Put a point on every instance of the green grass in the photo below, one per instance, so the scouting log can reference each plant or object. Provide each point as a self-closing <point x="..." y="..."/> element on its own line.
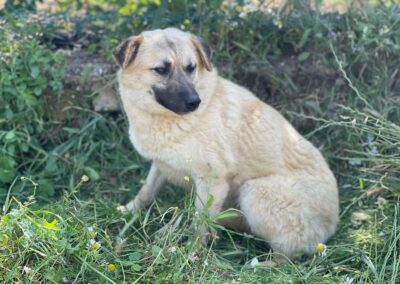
<point x="334" y="77"/>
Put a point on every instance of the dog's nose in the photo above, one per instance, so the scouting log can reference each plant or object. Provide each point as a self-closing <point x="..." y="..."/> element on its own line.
<point x="192" y="103"/>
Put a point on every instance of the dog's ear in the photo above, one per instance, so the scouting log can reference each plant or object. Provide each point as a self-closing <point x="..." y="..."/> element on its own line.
<point x="203" y="51"/>
<point x="125" y="53"/>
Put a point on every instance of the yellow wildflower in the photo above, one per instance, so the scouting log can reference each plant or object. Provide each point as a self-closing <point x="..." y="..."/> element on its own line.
<point x="3" y="240"/>
<point x="4" y="218"/>
<point x="187" y="178"/>
<point x="186" y="22"/>
<point x="321" y="249"/>
<point x="51" y="226"/>
<point x="93" y="245"/>
<point x="111" y="267"/>
<point x="92" y="234"/>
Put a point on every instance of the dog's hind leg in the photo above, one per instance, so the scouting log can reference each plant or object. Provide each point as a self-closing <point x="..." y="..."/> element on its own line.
<point x="154" y="182"/>
<point x="293" y="214"/>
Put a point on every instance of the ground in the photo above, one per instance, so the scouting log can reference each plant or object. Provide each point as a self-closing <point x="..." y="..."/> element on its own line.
<point x="64" y="167"/>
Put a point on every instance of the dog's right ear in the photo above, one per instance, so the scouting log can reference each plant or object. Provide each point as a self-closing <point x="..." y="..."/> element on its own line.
<point x="125" y="53"/>
<point x="204" y="51"/>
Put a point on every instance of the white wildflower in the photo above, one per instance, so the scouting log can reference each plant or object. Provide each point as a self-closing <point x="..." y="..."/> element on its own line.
<point x="254" y="263"/>
<point x="247" y="9"/>
<point x="348" y="280"/>
<point x="321" y="249"/>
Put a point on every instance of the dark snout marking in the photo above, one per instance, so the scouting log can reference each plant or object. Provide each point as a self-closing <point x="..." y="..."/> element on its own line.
<point x="192" y="102"/>
<point x="177" y="94"/>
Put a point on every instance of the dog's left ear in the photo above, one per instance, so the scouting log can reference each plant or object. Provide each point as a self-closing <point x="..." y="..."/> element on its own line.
<point x="204" y="51"/>
<point x="125" y="53"/>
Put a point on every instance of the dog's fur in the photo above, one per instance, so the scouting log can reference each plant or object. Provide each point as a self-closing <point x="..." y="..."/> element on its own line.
<point x="233" y="146"/>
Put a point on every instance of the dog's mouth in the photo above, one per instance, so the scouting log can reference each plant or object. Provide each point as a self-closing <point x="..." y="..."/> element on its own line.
<point x="178" y="101"/>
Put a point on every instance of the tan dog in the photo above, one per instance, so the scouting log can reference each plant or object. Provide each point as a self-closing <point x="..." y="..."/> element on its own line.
<point x="189" y="121"/>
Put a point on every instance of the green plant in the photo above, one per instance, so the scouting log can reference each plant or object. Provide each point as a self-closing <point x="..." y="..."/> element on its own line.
<point x="28" y="71"/>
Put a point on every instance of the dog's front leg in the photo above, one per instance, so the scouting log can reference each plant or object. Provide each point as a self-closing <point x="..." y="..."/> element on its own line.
<point x="217" y="191"/>
<point x="154" y="182"/>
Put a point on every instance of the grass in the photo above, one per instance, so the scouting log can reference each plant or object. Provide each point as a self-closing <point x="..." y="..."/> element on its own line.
<point x="335" y="77"/>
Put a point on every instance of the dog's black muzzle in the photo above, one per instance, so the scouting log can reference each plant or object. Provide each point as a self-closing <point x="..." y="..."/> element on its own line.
<point x="178" y="96"/>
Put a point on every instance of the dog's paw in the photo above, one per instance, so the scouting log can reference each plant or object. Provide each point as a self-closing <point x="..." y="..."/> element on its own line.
<point x="122" y="209"/>
<point x="129" y="208"/>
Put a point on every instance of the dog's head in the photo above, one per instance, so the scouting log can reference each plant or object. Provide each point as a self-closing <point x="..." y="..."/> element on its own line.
<point x="160" y="70"/>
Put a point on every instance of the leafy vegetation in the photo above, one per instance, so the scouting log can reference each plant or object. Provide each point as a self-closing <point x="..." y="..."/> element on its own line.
<point x="64" y="168"/>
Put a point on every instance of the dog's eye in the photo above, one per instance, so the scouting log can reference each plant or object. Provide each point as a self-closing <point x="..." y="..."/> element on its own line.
<point x="161" y="70"/>
<point x="190" y="68"/>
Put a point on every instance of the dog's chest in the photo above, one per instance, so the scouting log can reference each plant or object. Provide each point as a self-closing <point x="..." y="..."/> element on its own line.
<point x="162" y="146"/>
<point x="182" y="154"/>
<point x="148" y="144"/>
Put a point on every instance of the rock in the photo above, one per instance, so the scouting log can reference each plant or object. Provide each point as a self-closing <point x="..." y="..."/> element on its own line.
<point x="107" y="99"/>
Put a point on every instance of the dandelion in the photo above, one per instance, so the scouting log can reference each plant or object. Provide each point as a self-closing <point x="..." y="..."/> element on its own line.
<point x="186" y="22"/>
<point x="92" y="234"/>
<point x="111" y="267"/>
<point x="51" y="226"/>
<point x="187" y="178"/>
<point x="321" y="249"/>
<point x="93" y="245"/>
<point x="84" y="178"/>
<point x="278" y="22"/>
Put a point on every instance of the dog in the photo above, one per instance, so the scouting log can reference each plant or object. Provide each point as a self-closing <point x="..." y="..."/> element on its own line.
<point x="190" y="122"/>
